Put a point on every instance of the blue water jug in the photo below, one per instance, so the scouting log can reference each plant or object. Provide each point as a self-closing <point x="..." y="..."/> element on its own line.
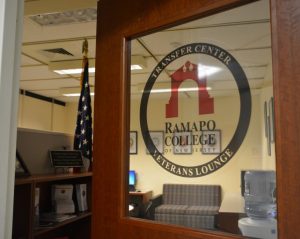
<point x="260" y="194"/>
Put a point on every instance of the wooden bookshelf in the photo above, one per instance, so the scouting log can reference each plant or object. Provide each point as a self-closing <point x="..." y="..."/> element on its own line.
<point x="24" y="225"/>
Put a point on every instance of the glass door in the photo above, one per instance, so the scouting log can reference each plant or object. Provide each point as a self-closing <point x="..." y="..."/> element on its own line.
<point x="202" y="141"/>
<point x="202" y="152"/>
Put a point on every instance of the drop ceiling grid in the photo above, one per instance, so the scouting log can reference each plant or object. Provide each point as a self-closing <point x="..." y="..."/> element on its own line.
<point x="229" y="28"/>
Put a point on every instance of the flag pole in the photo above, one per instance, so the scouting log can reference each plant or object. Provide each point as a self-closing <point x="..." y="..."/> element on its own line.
<point x="83" y="132"/>
<point x="85" y="48"/>
<point x="85" y="51"/>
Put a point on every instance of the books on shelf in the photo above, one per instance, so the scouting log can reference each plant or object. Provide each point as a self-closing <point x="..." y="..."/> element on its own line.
<point x="62" y="192"/>
<point x="81" y="195"/>
<point x="54" y="217"/>
<point x="62" y="207"/>
<point x="36" y="205"/>
<point x="37" y="198"/>
<point x="62" y="199"/>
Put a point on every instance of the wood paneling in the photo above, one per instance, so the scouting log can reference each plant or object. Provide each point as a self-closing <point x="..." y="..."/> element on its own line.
<point x="126" y="19"/>
<point x="286" y="77"/>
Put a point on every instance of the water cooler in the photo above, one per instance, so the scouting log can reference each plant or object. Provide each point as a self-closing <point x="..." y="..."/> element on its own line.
<point x="260" y="205"/>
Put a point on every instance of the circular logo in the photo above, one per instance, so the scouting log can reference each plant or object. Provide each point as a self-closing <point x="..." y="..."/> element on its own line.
<point x="243" y="122"/>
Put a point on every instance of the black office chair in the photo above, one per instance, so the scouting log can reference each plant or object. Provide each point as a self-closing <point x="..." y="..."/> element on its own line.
<point x="150" y="207"/>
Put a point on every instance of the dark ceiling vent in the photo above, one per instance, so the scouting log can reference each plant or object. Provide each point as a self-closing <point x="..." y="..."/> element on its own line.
<point x="59" y="51"/>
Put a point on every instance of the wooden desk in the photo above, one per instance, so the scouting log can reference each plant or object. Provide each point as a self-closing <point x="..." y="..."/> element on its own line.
<point x="139" y="200"/>
<point x="143" y="196"/>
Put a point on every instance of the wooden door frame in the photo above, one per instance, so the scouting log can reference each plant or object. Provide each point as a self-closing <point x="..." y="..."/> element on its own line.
<point x="120" y="21"/>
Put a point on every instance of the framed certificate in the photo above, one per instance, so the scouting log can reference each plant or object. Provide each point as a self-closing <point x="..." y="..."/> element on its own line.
<point x="158" y="140"/>
<point x="211" y="142"/>
<point x="182" y="143"/>
<point x="133" y="148"/>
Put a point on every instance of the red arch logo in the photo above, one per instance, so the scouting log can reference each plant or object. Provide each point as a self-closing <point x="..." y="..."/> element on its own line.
<point x="189" y="71"/>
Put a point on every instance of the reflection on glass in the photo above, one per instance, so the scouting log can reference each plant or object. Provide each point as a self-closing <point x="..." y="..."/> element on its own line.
<point x="202" y="110"/>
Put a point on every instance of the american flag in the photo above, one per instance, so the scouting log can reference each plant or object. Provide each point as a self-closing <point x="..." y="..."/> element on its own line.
<point x="83" y="133"/>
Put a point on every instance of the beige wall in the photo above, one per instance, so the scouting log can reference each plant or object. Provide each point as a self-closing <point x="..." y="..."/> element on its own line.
<point x="268" y="160"/>
<point x="71" y="117"/>
<point x="37" y="114"/>
<point x="251" y="154"/>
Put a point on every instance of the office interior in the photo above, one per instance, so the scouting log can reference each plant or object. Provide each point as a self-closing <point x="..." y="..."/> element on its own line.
<point x="45" y="113"/>
<point x="247" y="37"/>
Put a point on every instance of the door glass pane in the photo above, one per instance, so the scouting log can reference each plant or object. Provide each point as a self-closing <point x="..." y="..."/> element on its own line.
<point x="202" y="124"/>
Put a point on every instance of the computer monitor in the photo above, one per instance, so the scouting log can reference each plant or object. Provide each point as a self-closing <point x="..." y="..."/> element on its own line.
<point x="132" y="180"/>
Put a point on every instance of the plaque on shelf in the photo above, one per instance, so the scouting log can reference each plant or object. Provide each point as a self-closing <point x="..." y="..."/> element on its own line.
<point x="66" y="158"/>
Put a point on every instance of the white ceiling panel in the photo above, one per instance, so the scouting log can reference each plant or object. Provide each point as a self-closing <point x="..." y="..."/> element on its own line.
<point x="49" y="84"/>
<point x="229" y="38"/>
<point x="25" y="61"/>
<point x="37" y="72"/>
<point x="37" y="33"/>
<point x="33" y="7"/>
<point x="245" y="36"/>
<point x="237" y="15"/>
<point x="137" y="49"/>
<point x="38" y="51"/>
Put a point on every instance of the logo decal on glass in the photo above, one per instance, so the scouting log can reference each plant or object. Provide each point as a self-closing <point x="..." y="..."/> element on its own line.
<point x="190" y="71"/>
<point x="197" y="73"/>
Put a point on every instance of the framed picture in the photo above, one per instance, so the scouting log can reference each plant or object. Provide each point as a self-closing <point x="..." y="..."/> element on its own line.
<point x="266" y="118"/>
<point x="133" y="147"/>
<point x="272" y="120"/>
<point x="158" y="140"/>
<point x="269" y="123"/>
<point x="269" y="135"/>
<point x="181" y="143"/>
<point x="211" y="142"/>
<point x="21" y="169"/>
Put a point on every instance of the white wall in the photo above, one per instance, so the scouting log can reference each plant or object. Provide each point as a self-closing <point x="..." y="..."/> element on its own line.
<point x="10" y="53"/>
<point x="251" y="154"/>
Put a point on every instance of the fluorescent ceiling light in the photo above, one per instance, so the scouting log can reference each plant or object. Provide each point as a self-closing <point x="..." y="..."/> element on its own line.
<point x="73" y="91"/>
<point x="179" y="90"/>
<point x="74" y="67"/>
<point x="138" y="63"/>
<point x="73" y="71"/>
<point x="136" y="67"/>
<point x="76" y="94"/>
<point x="70" y="67"/>
<point x="204" y="71"/>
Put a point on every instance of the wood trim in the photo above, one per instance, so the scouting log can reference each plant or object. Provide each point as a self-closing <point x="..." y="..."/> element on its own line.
<point x="285" y="16"/>
<point x="51" y="177"/>
<point x="119" y="21"/>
